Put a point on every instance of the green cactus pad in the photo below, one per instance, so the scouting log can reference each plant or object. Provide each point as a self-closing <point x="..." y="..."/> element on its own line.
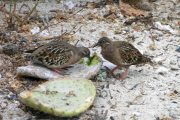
<point x="64" y="97"/>
<point x="92" y="61"/>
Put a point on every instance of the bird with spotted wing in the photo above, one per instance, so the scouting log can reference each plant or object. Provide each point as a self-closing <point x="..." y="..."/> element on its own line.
<point x="121" y="53"/>
<point x="57" y="55"/>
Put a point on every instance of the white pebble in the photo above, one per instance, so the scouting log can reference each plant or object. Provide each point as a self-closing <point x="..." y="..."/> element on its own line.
<point x="162" y="70"/>
<point x="69" y="4"/>
<point x="164" y="27"/>
<point x="158" y="59"/>
<point x="44" y="33"/>
<point x="35" y="30"/>
<point x="137" y="113"/>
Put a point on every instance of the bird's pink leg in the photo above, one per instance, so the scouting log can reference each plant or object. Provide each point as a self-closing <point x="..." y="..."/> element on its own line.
<point x="115" y="68"/>
<point x="111" y="72"/>
<point x="124" y="74"/>
<point x="59" y="71"/>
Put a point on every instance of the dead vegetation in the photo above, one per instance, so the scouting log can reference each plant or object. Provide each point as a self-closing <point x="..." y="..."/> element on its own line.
<point x="15" y="21"/>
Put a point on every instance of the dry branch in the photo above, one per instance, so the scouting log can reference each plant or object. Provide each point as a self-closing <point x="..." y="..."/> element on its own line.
<point x="139" y="18"/>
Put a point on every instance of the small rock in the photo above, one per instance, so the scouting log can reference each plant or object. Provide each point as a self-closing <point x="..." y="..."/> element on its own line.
<point x="164" y="27"/>
<point x="175" y="68"/>
<point x="10" y="49"/>
<point x="178" y="49"/>
<point x="117" y="31"/>
<point x="12" y="97"/>
<point x="44" y="33"/>
<point x="137" y="113"/>
<point x="152" y="47"/>
<point x="69" y="5"/>
<point x="175" y="91"/>
<point x="162" y="70"/>
<point x="159" y="60"/>
<point x="158" y="32"/>
<point x="3" y="105"/>
<point x="35" y="30"/>
<point x="173" y="62"/>
<point x="102" y="75"/>
<point x="112" y="118"/>
<point x="127" y="29"/>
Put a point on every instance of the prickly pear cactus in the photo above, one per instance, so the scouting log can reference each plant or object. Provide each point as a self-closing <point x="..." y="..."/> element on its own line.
<point x="63" y="97"/>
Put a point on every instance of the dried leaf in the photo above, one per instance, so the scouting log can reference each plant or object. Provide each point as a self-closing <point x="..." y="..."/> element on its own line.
<point x="128" y="10"/>
<point x="103" y="34"/>
<point x="152" y="47"/>
<point x="91" y="5"/>
<point x="60" y="15"/>
<point x="68" y="37"/>
<point x="25" y="28"/>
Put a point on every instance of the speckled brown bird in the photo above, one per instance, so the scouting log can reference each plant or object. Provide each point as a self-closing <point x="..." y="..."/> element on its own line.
<point x="141" y="4"/>
<point x="58" y="54"/>
<point x="121" y="53"/>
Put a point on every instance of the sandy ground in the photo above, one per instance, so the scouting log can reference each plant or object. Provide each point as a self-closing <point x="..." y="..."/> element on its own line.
<point x="148" y="93"/>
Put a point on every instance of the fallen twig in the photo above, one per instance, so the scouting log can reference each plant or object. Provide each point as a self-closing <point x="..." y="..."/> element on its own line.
<point x="32" y="10"/>
<point x="2" y="9"/>
<point x="139" y="18"/>
<point x="61" y="36"/>
<point x="23" y="5"/>
<point x="13" y="17"/>
<point x="58" y="23"/>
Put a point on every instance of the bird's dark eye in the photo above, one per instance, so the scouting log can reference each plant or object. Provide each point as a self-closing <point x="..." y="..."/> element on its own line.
<point x="102" y="41"/>
<point x="86" y="52"/>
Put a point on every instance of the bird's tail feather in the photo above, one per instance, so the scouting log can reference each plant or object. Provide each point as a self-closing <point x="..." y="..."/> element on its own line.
<point x="27" y="56"/>
<point x="147" y="60"/>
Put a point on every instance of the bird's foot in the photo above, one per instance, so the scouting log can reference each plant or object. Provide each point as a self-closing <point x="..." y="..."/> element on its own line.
<point x="66" y="68"/>
<point x="109" y="72"/>
<point x="115" y="68"/>
<point x="123" y="75"/>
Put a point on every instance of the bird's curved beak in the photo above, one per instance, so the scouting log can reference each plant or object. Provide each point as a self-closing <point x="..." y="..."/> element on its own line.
<point x="96" y="44"/>
<point x="88" y="56"/>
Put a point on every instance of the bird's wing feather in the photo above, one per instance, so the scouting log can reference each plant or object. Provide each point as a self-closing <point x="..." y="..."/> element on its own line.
<point x="54" y="54"/>
<point x="129" y="54"/>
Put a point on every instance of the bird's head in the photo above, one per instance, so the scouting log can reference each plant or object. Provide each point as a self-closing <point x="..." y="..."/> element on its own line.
<point x="103" y="42"/>
<point x="85" y="52"/>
